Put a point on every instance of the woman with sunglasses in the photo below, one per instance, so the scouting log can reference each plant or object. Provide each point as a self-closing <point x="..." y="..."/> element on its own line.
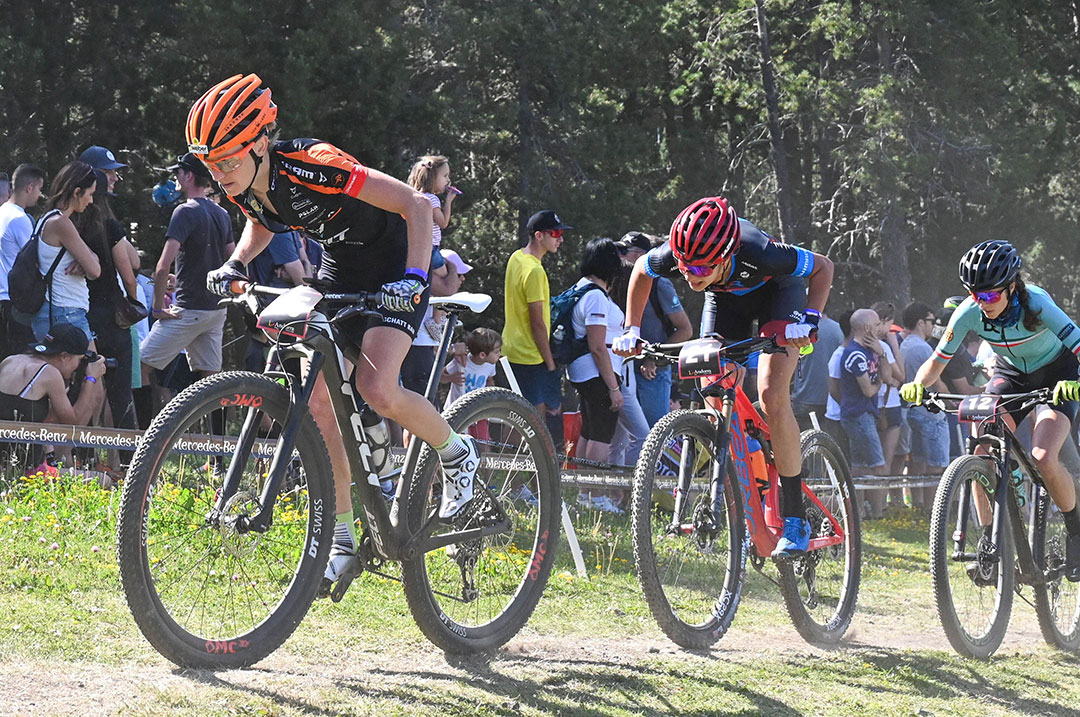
<point x="1036" y="346"/>
<point x="376" y="232"/>
<point x="746" y="276"/>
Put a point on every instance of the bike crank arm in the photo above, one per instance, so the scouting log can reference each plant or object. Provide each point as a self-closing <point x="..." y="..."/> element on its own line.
<point x="414" y="547"/>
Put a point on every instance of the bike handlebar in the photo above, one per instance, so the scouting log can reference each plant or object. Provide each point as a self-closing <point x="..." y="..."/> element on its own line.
<point x="939" y="402"/>
<point x="370" y="299"/>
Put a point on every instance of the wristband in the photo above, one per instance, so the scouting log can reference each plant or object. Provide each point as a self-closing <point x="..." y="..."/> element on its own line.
<point x="91" y="379"/>
<point x="419" y="273"/>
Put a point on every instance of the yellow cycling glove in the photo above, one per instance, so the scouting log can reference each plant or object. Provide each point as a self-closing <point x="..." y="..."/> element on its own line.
<point x="1066" y="391"/>
<point x="913" y="393"/>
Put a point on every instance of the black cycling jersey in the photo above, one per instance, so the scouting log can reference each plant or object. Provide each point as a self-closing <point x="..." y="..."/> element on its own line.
<point x="758" y="259"/>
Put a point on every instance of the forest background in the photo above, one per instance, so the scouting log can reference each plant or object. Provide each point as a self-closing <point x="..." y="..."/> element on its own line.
<point x="889" y="135"/>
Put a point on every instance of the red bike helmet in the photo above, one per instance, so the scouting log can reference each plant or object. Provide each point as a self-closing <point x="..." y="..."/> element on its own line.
<point x="229" y="117"/>
<point x="705" y="233"/>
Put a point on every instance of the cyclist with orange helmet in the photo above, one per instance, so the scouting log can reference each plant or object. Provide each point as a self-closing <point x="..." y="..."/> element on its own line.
<point x="746" y="276"/>
<point x="376" y="232"/>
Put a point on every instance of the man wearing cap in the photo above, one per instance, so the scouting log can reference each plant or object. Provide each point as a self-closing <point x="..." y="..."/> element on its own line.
<point x="34" y="384"/>
<point x="664" y="321"/>
<point x="100" y="158"/>
<point x="199" y="239"/>
<point x="527" y="306"/>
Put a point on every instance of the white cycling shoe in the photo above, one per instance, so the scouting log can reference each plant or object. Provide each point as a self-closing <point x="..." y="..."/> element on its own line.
<point x="458" y="478"/>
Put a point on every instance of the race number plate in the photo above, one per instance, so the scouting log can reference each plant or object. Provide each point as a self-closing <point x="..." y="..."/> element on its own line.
<point x="700" y="358"/>
<point x="287" y="315"/>
<point x="978" y="407"/>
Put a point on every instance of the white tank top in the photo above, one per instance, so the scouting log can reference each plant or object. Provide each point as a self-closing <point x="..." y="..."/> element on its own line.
<point x="70" y="292"/>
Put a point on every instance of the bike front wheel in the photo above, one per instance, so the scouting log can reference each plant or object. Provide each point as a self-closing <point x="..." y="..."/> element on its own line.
<point x="820" y="587"/>
<point x="973" y="579"/>
<point x="203" y="591"/>
<point x="474" y="595"/>
<point x="691" y="564"/>
<point x="1057" y="602"/>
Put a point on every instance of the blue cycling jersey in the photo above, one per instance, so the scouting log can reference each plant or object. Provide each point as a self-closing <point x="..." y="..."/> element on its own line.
<point x="1026" y="350"/>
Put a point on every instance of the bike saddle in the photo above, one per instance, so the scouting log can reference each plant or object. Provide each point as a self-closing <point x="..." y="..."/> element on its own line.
<point x="462" y="301"/>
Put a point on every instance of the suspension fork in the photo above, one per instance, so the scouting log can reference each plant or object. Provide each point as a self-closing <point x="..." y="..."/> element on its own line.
<point x="298" y="407"/>
<point x="723" y="444"/>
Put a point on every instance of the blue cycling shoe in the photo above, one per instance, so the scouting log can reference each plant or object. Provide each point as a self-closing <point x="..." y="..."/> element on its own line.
<point x="796" y="538"/>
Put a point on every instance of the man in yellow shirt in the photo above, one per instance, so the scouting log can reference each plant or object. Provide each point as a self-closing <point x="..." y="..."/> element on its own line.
<point x="527" y="305"/>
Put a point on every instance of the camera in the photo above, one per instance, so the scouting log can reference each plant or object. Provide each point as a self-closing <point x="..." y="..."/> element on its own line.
<point x="90" y="357"/>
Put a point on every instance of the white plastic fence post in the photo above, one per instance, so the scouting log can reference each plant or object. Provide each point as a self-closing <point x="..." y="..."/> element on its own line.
<point x="568" y="525"/>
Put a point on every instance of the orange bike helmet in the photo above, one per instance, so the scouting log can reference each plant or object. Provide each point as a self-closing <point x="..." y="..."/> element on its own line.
<point x="229" y="117"/>
<point x="705" y="233"/>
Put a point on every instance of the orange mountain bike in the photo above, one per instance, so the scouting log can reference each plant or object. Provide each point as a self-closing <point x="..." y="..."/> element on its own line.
<point x="706" y="498"/>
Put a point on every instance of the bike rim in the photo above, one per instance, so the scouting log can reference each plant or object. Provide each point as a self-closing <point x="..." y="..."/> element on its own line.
<point x="214" y="582"/>
<point x="823" y="576"/>
<point x="1063" y="596"/>
<point x="474" y="583"/>
<point x="975" y="606"/>
<point x="692" y="554"/>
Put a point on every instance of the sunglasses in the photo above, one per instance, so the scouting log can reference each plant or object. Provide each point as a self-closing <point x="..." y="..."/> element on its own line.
<point x="555" y="233"/>
<point x="987" y="297"/>
<point x="697" y="269"/>
<point x="227" y="165"/>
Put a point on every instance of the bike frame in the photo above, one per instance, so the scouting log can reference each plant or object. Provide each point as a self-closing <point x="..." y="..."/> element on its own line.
<point x="734" y="422"/>
<point x="1003" y="445"/>
<point x="391" y="535"/>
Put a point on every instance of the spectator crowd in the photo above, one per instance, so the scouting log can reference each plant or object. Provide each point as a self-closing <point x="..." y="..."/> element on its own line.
<point x="160" y="328"/>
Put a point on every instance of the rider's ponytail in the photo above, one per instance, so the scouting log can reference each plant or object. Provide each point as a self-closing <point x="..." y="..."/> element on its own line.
<point x="1030" y="316"/>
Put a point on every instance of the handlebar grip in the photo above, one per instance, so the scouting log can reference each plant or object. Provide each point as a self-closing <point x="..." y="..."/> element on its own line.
<point x="776" y="330"/>
<point x="238" y="287"/>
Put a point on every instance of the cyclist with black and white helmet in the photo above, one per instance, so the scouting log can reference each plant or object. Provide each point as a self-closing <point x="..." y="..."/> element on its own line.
<point x="376" y="232"/>
<point x="746" y="276"/>
<point x="1037" y="346"/>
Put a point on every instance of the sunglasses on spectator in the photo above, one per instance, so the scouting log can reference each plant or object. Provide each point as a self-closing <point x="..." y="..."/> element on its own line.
<point x="555" y="233"/>
<point x="987" y="297"/>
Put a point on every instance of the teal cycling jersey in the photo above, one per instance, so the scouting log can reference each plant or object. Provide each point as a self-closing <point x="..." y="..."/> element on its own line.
<point x="1027" y="350"/>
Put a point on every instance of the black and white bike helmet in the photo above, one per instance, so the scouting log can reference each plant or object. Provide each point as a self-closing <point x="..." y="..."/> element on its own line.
<point x="989" y="264"/>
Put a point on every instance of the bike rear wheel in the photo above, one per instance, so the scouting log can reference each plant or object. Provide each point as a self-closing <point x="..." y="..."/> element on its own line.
<point x="1057" y="603"/>
<point x="475" y="595"/>
<point x="973" y="604"/>
<point x="821" y="587"/>
<point x="691" y="567"/>
<point x="202" y="592"/>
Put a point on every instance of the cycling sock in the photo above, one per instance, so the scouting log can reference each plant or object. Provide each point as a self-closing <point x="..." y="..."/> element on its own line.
<point x="1072" y="520"/>
<point x="791" y="503"/>
<point x="453" y="450"/>
<point x="345" y="531"/>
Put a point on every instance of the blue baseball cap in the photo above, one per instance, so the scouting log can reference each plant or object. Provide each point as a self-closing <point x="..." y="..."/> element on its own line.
<point x="100" y="158"/>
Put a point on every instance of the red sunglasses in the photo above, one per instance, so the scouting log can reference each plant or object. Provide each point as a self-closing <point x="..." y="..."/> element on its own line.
<point x="987" y="297"/>
<point x="697" y="269"/>
<point x="556" y="233"/>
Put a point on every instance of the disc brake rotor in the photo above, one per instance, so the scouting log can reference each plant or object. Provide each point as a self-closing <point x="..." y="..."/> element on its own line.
<point x="240" y="545"/>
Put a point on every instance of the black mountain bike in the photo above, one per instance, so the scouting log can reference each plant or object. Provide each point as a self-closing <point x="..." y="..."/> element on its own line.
<point x="227" y="516"/>
<point x="976" y="570"/>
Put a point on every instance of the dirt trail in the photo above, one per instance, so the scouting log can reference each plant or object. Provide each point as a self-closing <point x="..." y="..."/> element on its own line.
<point x="91" y="689"/>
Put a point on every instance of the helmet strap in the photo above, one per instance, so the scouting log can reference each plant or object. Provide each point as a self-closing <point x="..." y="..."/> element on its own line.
<point x="258" y="163"/>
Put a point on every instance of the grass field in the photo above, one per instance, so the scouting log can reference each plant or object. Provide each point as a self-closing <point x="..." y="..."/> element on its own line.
<point x="68" y="644"/>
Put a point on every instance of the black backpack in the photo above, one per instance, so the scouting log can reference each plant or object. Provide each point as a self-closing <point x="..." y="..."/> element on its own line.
<point x="565" y="347"/>
<point x="26" y="285"/>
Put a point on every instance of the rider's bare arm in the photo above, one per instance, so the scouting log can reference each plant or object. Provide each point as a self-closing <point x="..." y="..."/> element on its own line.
<point x="253" y="240"/>
<point x="637" y="295"/>
<point x="820" y="282"/>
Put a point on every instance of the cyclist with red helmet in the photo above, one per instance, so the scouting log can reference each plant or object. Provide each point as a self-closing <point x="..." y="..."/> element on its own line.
<point x="376" y="232"/>
<point x="746" y="276"/>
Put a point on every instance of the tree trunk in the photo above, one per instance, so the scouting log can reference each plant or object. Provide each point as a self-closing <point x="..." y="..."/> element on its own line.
<point x="526" y="131"/>
<point x="778" y="153"/>
<point x="895" y="247"/>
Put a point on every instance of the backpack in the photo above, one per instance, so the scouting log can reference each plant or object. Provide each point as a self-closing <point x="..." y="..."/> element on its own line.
<point x="26" y="285"/>
<point x="565" y="347"/>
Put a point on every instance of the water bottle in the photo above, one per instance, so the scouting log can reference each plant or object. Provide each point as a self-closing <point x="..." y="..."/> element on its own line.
<point x="1018" y="484"/>
<point x="378" y="439"/>
<point x="757" y="465"/>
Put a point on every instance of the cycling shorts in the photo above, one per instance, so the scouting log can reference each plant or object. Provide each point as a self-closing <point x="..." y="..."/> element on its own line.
<point x="1008" y="379"/>
<point x="733" y="315"/>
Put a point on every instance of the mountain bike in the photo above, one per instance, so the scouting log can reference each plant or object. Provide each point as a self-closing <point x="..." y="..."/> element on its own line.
<point x="975" y="571"/>
<point x="227" y="516"/>
<point x="706" y="499"/>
